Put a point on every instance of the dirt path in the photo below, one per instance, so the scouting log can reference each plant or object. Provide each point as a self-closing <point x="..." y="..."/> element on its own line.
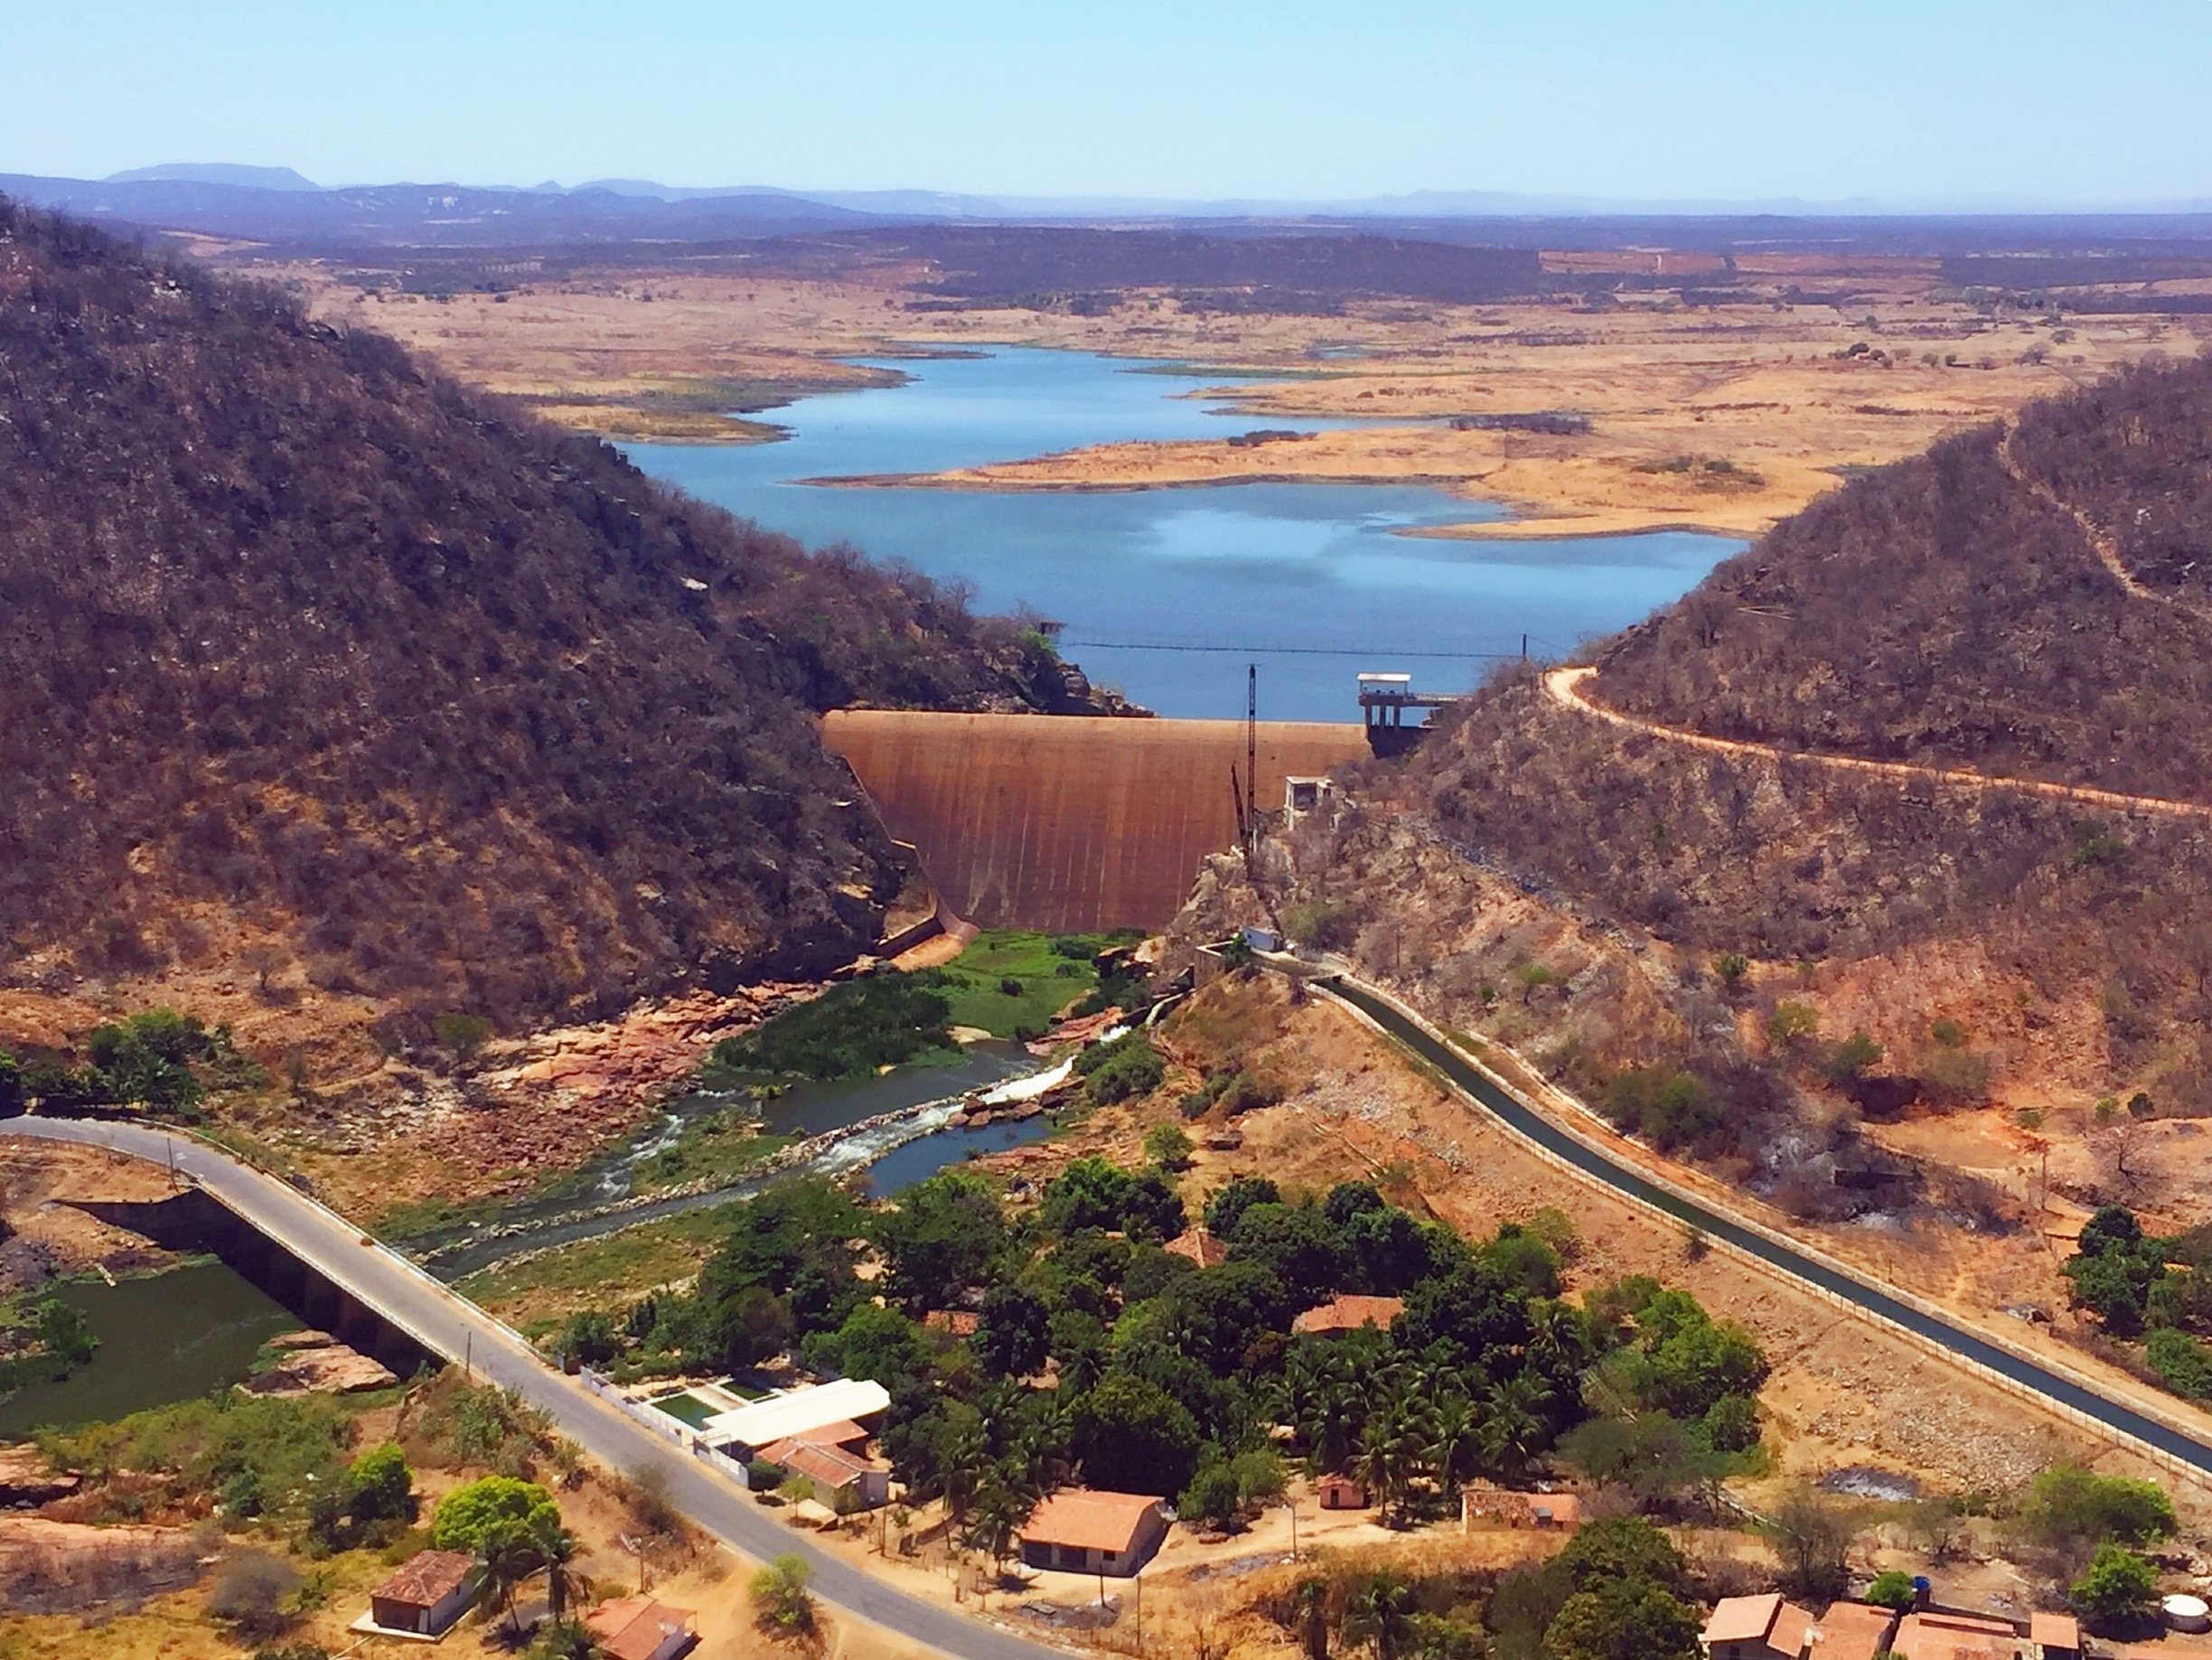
<point x="2107" y="549"/>
<point x="1565" y="687"/>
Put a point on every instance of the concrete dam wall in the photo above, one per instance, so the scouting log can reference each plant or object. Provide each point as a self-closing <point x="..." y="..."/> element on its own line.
<point x="1067" y="824"/>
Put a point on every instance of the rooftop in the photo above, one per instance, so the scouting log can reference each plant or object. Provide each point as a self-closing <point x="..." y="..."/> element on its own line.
<point x="1928" y="1636"/>
<point x="2054" y="1630"/>
<point x="427" y="1578"/>
<point x="1852" y="1631"/>
<point x="817" y="1460"/>
<point x="634" y="1628"/>
<point x="1089" y="1519"/>
<point x="1200" y="1246"/>
<point x="1349" y="1313"/>
<point x="1742" y="1619"/>
<point x="787" y="1417"/>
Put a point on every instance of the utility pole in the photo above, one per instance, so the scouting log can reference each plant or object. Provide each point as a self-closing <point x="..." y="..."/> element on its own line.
<point x="1252" y="746"/>
<point x="468" y="1356"/>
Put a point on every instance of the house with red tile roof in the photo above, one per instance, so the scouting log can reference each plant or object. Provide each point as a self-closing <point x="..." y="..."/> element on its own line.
<point x="1200" y="1246"/>
<point x="431" y="1589"/>
<point x="1756" y="1629"/>
<point x="1349" y="1313"/>
<point x="1852" y="1631"/>
<point x="1088" y="1530"/>
<point x="1927" y="1634"/>
<point x="639" y="1629"/>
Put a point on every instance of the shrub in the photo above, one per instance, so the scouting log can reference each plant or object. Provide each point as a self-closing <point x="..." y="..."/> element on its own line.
<point x="251" y="1591"/>
<point x="1892" y="1589"/>
<point x="781" y="1601"/>
<point x="2181" y="1362"/>
<point x="881" y="1020"/>
<point x="1168" y="1147"/>
<point x="1790" y="1024"/>
<point x="1852" y="1056"/>
<point x="1126" y="1067"/>
<point x="2118" y="1585"/>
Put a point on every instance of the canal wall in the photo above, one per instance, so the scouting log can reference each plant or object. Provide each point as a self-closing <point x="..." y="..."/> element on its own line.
<point x="1069" y="824"/>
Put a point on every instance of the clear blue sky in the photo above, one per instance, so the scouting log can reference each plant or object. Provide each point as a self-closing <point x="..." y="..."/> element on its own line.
<point x="1934" y="100"/>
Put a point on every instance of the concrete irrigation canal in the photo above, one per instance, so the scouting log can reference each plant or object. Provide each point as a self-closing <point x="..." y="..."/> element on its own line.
<point x="2168" y="1442"/>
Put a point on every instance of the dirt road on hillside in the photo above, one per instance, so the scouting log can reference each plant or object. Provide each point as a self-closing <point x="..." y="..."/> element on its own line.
<point x="1567" y="687"/>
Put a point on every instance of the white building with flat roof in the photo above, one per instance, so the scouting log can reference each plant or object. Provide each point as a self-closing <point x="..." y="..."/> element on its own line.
<point x="793" y="1415"/>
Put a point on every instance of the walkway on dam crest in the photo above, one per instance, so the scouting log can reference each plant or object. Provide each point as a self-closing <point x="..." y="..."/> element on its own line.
<point x="449" y="1325"/>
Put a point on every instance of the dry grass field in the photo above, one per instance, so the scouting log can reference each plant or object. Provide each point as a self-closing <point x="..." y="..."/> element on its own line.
<point x="1722" y="409"/>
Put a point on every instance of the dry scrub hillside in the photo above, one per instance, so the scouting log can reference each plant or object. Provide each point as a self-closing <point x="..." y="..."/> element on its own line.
<point x="1692" y="940"/>
<point x="1957" y="607"/>
<point x="310" y="651"/>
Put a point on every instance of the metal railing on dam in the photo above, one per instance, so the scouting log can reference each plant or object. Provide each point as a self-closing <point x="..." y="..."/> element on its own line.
<point x="2167" y="1440"/>
<point x="1069" y="823"/>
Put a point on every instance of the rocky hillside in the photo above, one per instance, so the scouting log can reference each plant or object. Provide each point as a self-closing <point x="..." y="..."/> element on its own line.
<point x="1745" y="953"/>
<point x="2035" y="603"/>
<point x="313" y="656"/>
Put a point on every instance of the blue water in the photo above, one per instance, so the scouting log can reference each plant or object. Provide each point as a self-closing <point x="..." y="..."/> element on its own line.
<point x="1169" y="592"/>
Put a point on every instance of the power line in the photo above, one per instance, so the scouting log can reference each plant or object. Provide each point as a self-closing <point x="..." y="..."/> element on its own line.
<point x="1285" y="651"/>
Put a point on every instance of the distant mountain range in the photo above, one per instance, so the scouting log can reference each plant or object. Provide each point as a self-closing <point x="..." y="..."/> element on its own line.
<point x="280" y="205"/>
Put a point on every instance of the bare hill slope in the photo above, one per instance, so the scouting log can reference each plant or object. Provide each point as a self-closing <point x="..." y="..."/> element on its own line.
<point x="307" y="646"/>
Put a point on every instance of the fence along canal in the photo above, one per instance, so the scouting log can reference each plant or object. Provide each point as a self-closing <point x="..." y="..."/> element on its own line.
<point x="2166" y="1441"/>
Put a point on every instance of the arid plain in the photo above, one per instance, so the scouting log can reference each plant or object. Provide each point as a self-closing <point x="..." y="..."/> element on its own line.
<point x="1722" y="409"/>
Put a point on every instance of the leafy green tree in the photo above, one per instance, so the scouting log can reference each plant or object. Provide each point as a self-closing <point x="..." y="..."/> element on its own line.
<point x="1622" y="1548"/>
<point x="940" y="1240"/>
<point x="505" y="1523"/>
<point x="1096" y="1193"/>
<point x="148" y="1057"/>
<point x="1624" y="1619"/>
<point x="2068" y="1506"/>
<point x="1298" y="1244"/>
<point x="1791" y="1025"/>
<point x="1139" y="1433"/>
<point x="1227" y="1207"/>
<point x="13" y="1095"/>
<point x="589" y="1335"/>
<point x="1218" y="1314"/>
<point x="470" y="1515"/>
<point x="379" y="1486"/>
<point x="2118" y="1585"/>
<point x="853" y="1030"/>
<point x="1211" y="1497"/>
<point x="1014" y="1333"/>
<point x="874" y="1342"/>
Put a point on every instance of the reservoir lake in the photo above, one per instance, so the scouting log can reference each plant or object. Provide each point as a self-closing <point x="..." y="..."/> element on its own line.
<point x="1168" y="594"/>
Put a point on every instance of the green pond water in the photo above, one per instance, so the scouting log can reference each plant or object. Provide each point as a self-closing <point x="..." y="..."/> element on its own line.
<point x="168" y="1338"/>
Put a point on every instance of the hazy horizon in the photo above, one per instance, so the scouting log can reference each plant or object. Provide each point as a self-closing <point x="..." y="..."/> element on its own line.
<point x="1964" y="108"/>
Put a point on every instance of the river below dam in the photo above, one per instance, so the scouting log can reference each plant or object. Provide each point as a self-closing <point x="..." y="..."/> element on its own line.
<point x="1168" y="594"/>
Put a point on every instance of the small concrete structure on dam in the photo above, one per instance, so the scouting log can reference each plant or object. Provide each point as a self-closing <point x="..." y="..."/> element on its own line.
<point x="1069" y="824"/>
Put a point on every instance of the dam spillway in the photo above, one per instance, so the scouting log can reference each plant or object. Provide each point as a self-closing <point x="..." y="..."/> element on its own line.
<point x="1070" y="824"/>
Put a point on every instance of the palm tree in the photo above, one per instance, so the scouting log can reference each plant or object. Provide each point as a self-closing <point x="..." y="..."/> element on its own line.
<point x="1394" y="1448"/>
<point x="1513" y="1428"/>
<point x="1381" y="1613"/>
<point x="556" y="1547"/>
<point x="1458" y="1425"/>
<point x="510" y="1556"/>
<point x="1313" y="1596"/>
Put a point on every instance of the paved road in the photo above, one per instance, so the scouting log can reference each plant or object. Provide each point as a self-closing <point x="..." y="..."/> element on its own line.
<point x="2076" y="1396"/>
<point x="450" y="1326"/>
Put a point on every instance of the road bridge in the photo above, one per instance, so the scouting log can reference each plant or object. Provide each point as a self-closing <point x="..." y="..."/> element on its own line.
<point x="450" y="1325"/>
